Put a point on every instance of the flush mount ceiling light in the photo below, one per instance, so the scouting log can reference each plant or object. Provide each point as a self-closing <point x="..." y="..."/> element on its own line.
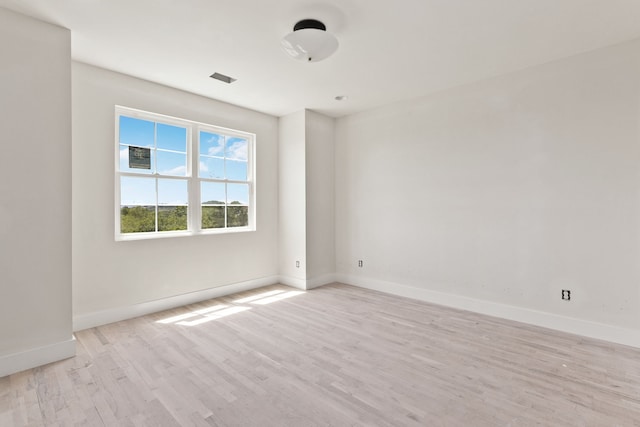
<point x="310" y="41"/>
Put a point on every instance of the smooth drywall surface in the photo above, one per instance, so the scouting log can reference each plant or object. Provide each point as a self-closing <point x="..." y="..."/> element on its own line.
<point x="35" y="185"/>
<point x="508" y="190"/>
<point x="292" y="199"/>
<point x="320" y="195"/>
<point x="109" y="274"/>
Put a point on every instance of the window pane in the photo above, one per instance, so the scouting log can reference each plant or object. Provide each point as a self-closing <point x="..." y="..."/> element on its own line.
<point x="137" y="205"/>
<point x="172" y="204"/>
<point x="236" y="170"/>
<point x="211" y="144"/>
<point x="172" y="138"/>
<point x="136" y="132"/>
<point x="170" y="163"/>
<point x="237" y="216"/>
<point x="137" y="219"/>
<point x="211" y="168"/>
<point x="237" y="149"/>
<point x="172" y="192"/>
<point x="237" y="194"/>
<point x="172" y="218"/>
<point x="137" y="191"/>
<point x="124" y="161"/>
<point x="212" y="217"/>
<point x="212" y="193"/>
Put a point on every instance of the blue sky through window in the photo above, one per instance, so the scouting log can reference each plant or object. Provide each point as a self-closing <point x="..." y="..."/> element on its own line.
<point x="168" y="152"/>
<point x="136" y="132"/>
<point x="221" y="157"/>
<point x="172" y="138"/>
<point x="136" y="191"/>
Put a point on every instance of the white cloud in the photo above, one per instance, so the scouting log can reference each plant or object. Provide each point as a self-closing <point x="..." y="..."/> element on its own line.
<point x="238" y="150"/>
<point x="178" y="170"/>
<point x="216" y="151"/>
<point x="217" y="147"/>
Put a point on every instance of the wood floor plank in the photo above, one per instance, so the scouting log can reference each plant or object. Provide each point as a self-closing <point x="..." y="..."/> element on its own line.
<point x="334" y="356"/>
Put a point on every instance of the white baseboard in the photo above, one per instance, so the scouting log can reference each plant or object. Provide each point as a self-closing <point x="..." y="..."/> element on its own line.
<point x="103" y="317"/>
<point x="308" y="284"/>
<point x="571" y="325"/>
<point x="294" y="282"/>
<point x="16" y="362"/>
<point x="318" y="281"/>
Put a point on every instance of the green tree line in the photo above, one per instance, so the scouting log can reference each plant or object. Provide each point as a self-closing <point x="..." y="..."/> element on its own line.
<point x="140" y="219"/>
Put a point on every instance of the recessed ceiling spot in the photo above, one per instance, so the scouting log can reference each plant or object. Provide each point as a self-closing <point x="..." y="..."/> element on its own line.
<point x="341" y="98"/>
<point x="222" y="78"/>
<point x="309" y="41"/>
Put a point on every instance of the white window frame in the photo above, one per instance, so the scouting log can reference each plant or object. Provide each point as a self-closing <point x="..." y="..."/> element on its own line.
<point x="194" y="207"/>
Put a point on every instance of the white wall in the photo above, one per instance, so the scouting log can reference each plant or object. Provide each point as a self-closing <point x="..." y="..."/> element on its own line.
<point x="320" y="195"/>
<point x="108" y="275"/>
<point x="505" y="191"/>
<point x="306" y="192"/>
<point x="292" y="199"/>
<point x="35" y="193"/>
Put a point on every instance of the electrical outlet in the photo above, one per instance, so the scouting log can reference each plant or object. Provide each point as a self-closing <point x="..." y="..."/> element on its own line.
<point x="360" y="263"/>
<point x="566" y="295"/>
<point x="297" y="264"/>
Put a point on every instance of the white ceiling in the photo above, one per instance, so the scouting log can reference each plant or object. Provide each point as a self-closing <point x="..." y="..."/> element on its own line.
<point x="389" y="50"/>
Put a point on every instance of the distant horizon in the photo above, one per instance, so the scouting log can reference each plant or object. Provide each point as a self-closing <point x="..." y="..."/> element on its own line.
<point x="207" y="203"/>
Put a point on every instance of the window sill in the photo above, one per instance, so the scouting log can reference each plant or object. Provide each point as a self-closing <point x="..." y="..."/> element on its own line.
<point x="170" y="234"/>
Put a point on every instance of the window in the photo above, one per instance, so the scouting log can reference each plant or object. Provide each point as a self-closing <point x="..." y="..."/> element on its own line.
<point x="179" y="177"/>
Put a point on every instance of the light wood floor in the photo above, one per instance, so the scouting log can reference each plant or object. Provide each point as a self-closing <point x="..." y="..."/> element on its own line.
<point x="334" y="356"/>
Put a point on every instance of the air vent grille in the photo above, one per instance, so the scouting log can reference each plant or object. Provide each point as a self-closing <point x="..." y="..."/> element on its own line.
<point x="222" y="78"/>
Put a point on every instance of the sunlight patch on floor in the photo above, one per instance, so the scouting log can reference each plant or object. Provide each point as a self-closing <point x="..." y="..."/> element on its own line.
<point x="258" y="296"/>
<point x="203" y="311"/>
<point x="279" y="297"/>
<point x="216" y="315"/>
<point x="218" y="311"/>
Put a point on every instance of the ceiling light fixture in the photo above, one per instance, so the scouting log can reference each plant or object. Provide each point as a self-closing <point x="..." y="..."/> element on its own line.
<point x="310" y="41"/>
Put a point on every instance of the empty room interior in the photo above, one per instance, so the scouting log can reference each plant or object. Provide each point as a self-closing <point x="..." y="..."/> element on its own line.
<point x="320" y="213"/>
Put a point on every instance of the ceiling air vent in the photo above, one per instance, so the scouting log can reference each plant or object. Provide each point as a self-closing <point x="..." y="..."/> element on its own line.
<point x="222" y="78"/>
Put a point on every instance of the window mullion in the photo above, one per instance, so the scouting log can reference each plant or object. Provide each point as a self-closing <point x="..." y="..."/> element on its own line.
<point x="155" y="168"/>
<point x="226" y="188"/>
<point x="194" y="183"/>
<point x="156" y="207"/>
<point x="226" y="205"/>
